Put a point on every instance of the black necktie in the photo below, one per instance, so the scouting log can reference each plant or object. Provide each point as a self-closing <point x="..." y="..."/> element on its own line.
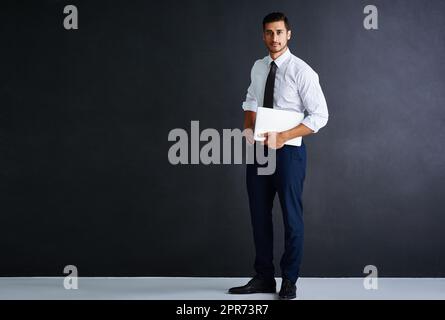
<point x="270" y="82"/>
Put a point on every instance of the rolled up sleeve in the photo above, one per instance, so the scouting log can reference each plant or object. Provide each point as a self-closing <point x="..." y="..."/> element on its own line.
<point x="313" y="99"/>
<point x="251" y="101"/>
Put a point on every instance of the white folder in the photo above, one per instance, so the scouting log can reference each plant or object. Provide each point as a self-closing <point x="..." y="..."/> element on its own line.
<point x="268" y="119"/>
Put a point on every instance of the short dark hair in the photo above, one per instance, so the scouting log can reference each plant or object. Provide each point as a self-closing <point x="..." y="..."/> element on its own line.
<point x="276" y="16"/>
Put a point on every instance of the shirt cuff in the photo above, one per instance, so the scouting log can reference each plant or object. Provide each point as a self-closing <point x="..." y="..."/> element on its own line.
<point x="249" y="107"/>
<point x="308" y="122"/>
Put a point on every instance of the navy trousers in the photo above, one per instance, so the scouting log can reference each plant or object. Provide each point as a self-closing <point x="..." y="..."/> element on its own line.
<point x="287" y="181"/>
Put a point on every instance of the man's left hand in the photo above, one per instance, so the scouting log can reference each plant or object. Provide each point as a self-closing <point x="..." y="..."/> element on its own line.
<point x="274" y="140"/>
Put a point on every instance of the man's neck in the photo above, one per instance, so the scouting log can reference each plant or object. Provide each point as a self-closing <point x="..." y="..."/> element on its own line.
<point x="276" y="55"/>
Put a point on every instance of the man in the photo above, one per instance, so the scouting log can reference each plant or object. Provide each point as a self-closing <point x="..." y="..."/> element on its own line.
<point x="280" y="81"/>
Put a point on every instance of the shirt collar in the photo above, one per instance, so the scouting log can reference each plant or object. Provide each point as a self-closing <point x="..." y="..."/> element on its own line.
<point x="279" y="61"/>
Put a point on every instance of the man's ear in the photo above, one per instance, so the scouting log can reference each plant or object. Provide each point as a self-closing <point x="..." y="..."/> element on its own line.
<point x="289" y="33"/>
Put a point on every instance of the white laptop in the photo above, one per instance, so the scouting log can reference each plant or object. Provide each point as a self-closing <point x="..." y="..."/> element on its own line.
<point x="277" y="120"/>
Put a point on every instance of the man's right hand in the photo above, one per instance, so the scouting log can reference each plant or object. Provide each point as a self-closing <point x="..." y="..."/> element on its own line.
<point x="248" y="134"/>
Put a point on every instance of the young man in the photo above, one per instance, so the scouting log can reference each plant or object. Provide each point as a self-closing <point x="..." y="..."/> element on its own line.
<point x="280" y="81"/>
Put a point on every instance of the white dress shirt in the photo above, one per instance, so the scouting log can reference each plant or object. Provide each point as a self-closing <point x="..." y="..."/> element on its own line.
<point x="296" y="88"/>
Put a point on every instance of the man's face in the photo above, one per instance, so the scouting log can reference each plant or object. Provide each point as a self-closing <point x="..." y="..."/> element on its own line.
<point x="275" y="36"/>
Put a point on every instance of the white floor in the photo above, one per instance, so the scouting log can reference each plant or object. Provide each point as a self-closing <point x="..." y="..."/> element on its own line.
<point x="154" y="288"/>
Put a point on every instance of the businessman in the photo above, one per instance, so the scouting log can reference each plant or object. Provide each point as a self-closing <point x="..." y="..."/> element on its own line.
<point x="280" y="81"/>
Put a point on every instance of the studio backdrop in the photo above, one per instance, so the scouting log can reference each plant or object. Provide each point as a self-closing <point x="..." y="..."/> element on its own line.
<point x="85" y="116"/>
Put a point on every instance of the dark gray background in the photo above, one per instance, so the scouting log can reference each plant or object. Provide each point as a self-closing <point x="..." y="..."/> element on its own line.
<point x="85" y="117"/>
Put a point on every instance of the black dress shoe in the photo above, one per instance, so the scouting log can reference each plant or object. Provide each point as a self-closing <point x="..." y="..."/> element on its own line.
<point x="288" y="290"/>
<point x="256" y="285"/>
